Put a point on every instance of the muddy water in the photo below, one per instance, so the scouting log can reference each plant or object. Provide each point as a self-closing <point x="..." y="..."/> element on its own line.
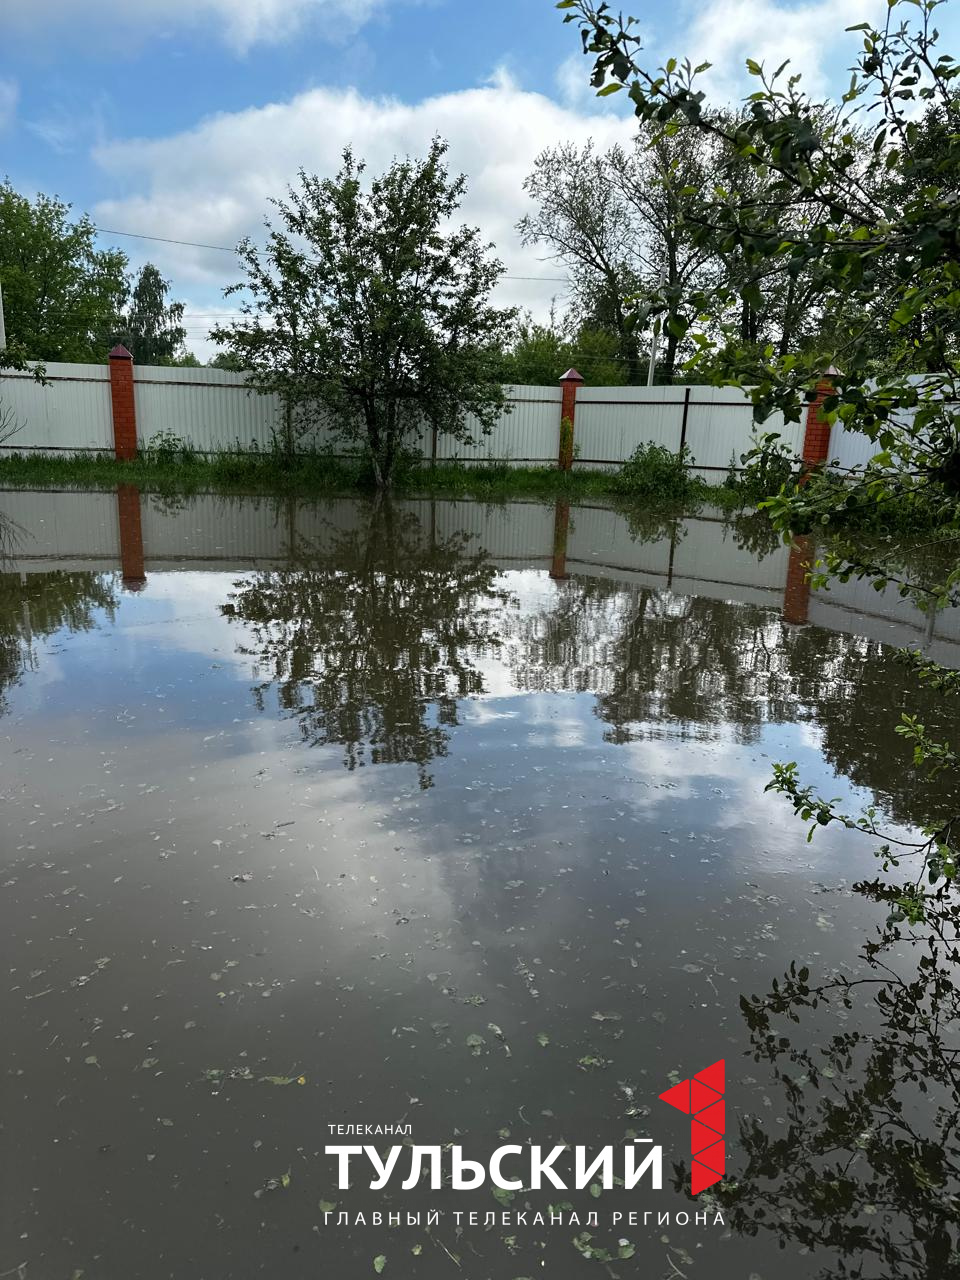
<point x="435" y="815"/>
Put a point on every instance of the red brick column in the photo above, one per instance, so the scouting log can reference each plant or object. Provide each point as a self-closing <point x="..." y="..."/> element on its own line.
<point x="131" y="537"/>
<point x="570" y="381"/>
<point x="796" y="592"/>
<point x="561" y="529"/>
<point x="121" y="400"/>
<point x="816" y="440"/>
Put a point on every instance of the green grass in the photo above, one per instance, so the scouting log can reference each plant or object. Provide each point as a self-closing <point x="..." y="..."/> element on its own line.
<point x="305" y="475"/>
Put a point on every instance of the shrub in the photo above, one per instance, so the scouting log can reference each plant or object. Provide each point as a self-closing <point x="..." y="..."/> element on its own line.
<point x="655" y="472"/>
<point x="165" y="448"/>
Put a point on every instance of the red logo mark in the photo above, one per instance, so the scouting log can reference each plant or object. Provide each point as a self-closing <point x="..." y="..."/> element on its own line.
<point x="702" y="1098"/>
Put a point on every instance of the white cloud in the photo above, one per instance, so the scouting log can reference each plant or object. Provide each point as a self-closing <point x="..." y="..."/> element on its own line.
<point x="9" y="96"/>
<point x="240" y="23"/>
<point x="212" y="183"/>
<point x="727" y="32"/>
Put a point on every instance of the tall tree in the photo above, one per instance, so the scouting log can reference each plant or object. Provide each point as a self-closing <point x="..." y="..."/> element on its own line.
<point x="152" y="325"/>
<point x="367" y="314"/>
<point x="61" y="295"/>
<point x="586" y="223"/>
<point x="628" y="224"/>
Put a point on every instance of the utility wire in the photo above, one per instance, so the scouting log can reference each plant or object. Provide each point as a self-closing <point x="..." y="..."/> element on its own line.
<point x="196" y="244"/>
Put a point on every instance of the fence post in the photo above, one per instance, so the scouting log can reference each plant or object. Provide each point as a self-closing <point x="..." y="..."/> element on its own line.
<point x="561" y="529"/>
<point x="796" y="591"/>
<point x="570" y="381"/>
<point x="683" y="422"/>
<point x="131" y="537"/>
<point x="816" y="438"/>
<point x="122" y="403"/>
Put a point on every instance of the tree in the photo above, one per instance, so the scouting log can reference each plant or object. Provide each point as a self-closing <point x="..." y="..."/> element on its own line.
<point x="61" y="294"/>
<point x="585" y="221"/>
<point x="151" y="327"/>
<point x="627" y="223"/>
<point x="368" y="316"/>
<point x="884" y="227"/>
<point x="230" y="360"/>
<point x="540" y="355"/>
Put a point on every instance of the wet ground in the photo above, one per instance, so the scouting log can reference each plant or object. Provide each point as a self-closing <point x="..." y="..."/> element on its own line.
<point x="439" y="815"/>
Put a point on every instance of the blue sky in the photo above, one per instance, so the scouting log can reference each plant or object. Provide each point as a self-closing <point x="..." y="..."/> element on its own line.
<point x="180" y="118"/>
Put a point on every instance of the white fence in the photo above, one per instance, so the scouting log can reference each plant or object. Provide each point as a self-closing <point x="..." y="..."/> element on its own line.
<point x="213" y="409"/>
<point x="71" y="531"/>
<point x="71" y="413"/>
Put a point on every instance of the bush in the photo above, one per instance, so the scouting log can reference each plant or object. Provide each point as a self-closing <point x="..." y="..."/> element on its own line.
<point x="166" y="448"/>
<point x="656" y="473"/>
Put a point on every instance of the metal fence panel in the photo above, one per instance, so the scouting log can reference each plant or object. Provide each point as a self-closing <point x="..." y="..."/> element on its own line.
<point x="209" y="408"/>
<point x="528" y="434"/>
<point x="71" y="412"/>
<point x="612" y="421"/>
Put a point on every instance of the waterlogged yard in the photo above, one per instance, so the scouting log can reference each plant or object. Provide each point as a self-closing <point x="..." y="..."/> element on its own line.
<point x="449" y="816"/>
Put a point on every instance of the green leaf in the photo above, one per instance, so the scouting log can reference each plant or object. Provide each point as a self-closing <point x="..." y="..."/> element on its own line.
<point x="379" y="1262"/>
<point x="608" y="89"/>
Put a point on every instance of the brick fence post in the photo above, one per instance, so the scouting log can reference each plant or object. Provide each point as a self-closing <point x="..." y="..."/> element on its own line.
<point x="561" y="530"/>
<point x="796" y="591"/>
<point x="816" y="438"/>
<point x="131" y="537"/>
<point x="570" y="381"/>
<point x="122" y="403"/>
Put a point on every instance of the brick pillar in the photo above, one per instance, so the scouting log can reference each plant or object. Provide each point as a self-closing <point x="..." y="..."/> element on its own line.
<point x="568" y="412"/>
<point x="796" y="591"/>
<point x="121" y="400"/>
<point x="131" y="537"/>
<point x="816" y="439"/>
<point x="561" y="527"/>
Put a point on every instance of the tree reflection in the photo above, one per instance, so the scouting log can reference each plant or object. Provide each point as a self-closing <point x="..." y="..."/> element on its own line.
<point x="867" y="1160"/>
<point x="373" y="637"/>
<point x="38" y="605"/>
<point x="664" y="664"/>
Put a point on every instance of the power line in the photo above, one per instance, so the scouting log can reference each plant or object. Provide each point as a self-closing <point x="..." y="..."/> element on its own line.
<point x="196" y="244"/>
<point x="137" y="235"/>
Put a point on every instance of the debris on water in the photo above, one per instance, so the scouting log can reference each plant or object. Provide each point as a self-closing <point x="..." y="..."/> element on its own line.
<point x="273" y="1184"/>
<point x="242" y="877"/>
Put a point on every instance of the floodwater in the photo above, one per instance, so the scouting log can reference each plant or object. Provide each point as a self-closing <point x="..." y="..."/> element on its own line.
<point x="450" y="816"/>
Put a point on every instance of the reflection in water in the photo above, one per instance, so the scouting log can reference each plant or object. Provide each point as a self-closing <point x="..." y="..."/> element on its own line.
<point x="373" y="640"/>
<point x="37" y="605"/>
<point x="562" y="913"/>
<point x="867" y="1163"/>
<point x="373" y="634"/>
